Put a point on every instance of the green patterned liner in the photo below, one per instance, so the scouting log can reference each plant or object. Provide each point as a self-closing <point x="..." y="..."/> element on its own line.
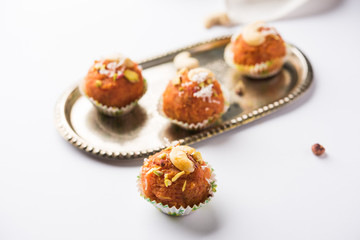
<point x="173" y="211"/>
<point x="259" y="70"/>
<point x="200" y="125"/>
<point x="113" y="111"/>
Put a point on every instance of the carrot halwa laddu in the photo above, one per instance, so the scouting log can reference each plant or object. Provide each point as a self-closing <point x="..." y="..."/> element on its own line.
<point x="193" y="97"/>
<point x="259" y="51"/>
<point x="177" y="177"/>
<point x="114" y="82"/>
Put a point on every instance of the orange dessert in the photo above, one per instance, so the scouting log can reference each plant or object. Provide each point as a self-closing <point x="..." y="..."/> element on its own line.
<point x="177" y="177"/>
<point x="259" y="51"/>
<point x="193" y="97"/>
<point x="114" y="82"/>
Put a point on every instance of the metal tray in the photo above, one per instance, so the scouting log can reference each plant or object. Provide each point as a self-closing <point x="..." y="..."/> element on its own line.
<point x="143" y="131"/>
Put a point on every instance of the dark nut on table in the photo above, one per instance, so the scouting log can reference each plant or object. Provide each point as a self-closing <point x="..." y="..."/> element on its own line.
<point x="318" y="149"/>
<point x="240" y="88"/>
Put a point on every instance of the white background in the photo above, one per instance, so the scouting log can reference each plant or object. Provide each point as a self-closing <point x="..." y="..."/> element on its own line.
<point x="271" y="186"/>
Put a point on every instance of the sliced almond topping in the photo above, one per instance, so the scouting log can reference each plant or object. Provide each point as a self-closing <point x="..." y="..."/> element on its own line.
<point x="183" y="188"/>
<point x="176" y="177"/>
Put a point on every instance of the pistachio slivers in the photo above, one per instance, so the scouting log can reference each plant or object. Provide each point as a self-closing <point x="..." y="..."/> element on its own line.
<point x="167" y="182"/>
<point x="158" y="173"/>
<point x="132" y="76"/>
<point x="152" y="170"/>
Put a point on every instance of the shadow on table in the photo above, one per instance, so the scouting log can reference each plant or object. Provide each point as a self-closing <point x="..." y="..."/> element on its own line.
<point x="202" y="222"/>
<point x="301" y="101"/>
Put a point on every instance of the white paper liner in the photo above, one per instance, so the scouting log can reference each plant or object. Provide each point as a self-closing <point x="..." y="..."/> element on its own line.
<point x="200" y="125"/>
<point x="113" y="111"/>
<point x="173" y="211"/>
<point x="259" y="70"/>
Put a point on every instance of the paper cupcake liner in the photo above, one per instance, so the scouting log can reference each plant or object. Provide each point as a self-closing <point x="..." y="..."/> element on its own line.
<point x="259" y="70"/>
<point x="113" y="111"/>
<point x="181" y="211"/>
<point x="200" y="125"/>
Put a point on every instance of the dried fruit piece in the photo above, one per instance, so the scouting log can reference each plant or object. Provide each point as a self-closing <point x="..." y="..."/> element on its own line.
<point x="184" y="60"/>
<point x="128" y="63"/>
<point x="220" y="18"/>
<point x="318" y="149"/>
<point x="187" y="149"/>
<point x="252" y="35"/>
<point x="180" y="160"/>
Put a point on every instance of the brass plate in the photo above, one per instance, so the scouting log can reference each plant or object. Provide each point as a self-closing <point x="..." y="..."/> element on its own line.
<point x="143" y="131"/>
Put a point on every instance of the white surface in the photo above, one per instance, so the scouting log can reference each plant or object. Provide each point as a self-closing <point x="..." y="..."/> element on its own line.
<point x="271" y="186"/>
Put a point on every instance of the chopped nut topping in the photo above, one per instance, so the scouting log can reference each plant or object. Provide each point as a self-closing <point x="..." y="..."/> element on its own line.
<point x="176" y="177"/>
<point x="318" y="149"/>
<point x="184" y="60"/>
<point x="183" y="188"/>
<point x="180" y="160"/>
<point x="167" y="182"/>
<point x="176" y="80"/>
<point x="128" y="63"/>
<point x="197" y="156"/>
<point x="168" y="148"/>
<point x="187" y="149"/>
<point x="98" y="83"/>
<point x="131" y="75"/>
<point x="219" y="18"/>
<point x="158" y="173"/>
<point x="162" y="156"/>
<point x="152" y="170"/>
<point x="200" y="75"/>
